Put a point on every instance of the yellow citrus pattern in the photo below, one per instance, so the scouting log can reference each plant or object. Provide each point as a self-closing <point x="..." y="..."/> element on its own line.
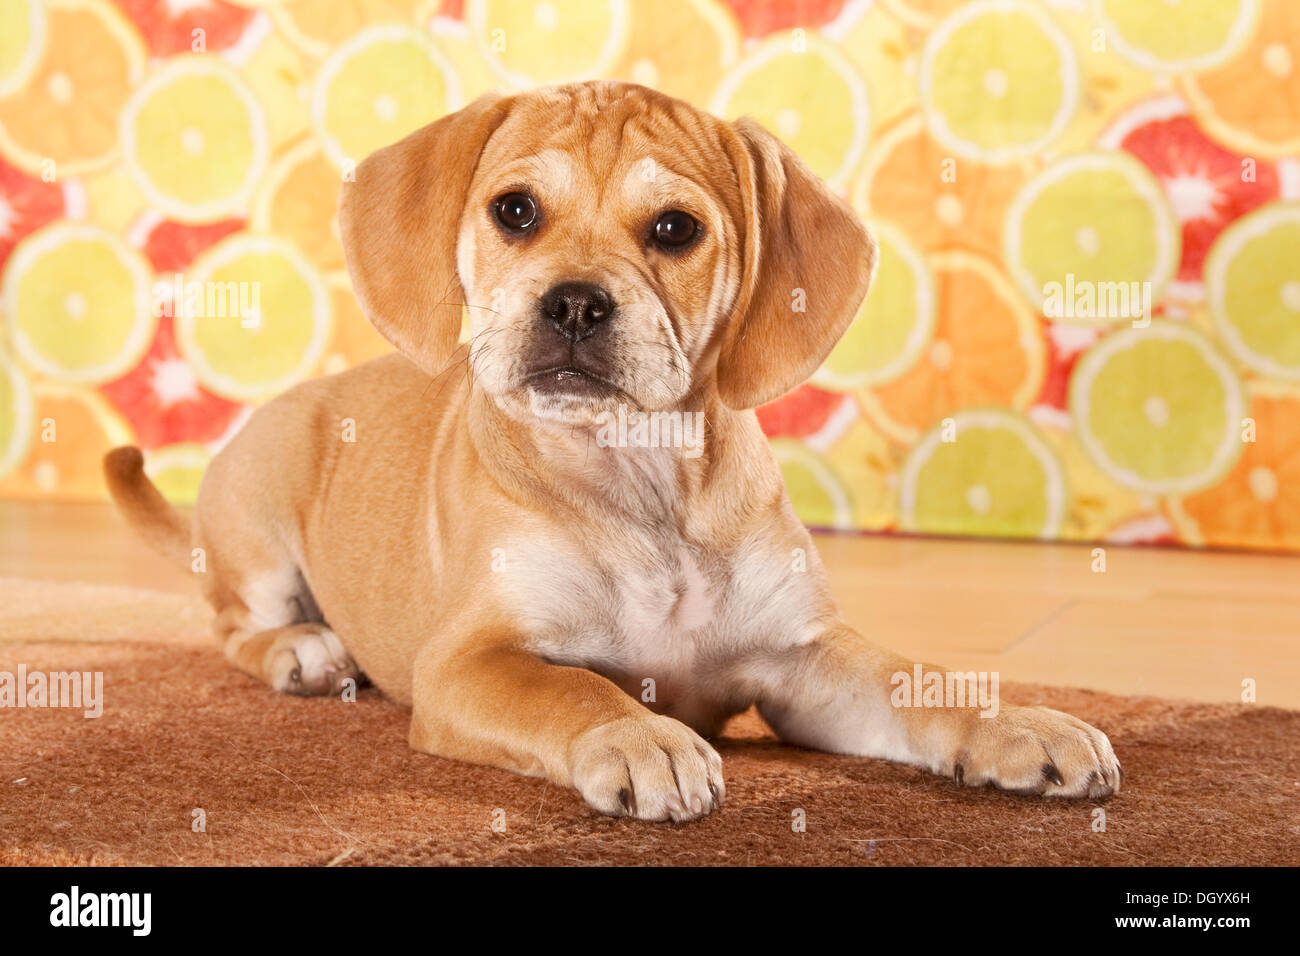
<point x="1098" y="302"/>
<point x="1093" y="223"/>
<point x="892" y="326"/>
<point x="1158" y="409"/>
<point x="22" y="39"/>
<point x="999" y="80"/>
<point x="15" y="415"/>
<point x="78" y="303"/>
<point x="531" y="42"/>
<point x="983" y="472"/>
<point x="809" y="94"/>
<point x="194" y="139"/>
<point x="380" y="85"/>
<point x="277" y="332"/>
<point x="1180" y="37"/>
<point x="1253" y="284"/>
<point x="177" y="470"/>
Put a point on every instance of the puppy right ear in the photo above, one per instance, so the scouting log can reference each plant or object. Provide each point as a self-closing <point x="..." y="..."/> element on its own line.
<point x="399" y="220"/>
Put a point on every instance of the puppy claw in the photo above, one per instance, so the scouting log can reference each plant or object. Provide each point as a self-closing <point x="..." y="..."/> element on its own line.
<point x="1007" y="752"/>
<point x="648" y="768"/>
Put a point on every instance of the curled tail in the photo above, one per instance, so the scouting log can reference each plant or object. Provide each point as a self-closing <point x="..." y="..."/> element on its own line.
<point x="164" y="528"/>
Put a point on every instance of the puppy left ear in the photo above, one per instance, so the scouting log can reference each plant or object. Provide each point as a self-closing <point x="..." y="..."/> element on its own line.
<point x="807" y="263"/>
<point x="399" y="219"/>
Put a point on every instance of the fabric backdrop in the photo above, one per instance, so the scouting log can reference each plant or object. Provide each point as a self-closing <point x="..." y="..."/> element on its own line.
<point x="1085" y="325"/>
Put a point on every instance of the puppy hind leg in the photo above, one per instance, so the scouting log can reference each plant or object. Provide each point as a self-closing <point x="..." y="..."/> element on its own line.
<point x="306" y="659"/>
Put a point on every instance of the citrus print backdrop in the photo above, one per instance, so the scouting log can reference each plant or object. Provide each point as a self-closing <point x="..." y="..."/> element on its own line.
<point x="1001" y="149"/>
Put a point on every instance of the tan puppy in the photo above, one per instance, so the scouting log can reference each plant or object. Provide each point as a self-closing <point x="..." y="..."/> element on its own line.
<point x="545" y="601"/>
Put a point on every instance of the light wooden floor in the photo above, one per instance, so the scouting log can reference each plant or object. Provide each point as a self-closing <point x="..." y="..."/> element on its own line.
<point x="1169" y="623"/>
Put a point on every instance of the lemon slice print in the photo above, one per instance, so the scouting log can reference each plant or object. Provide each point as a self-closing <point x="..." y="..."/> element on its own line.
<point x="1179" y="37"/>
<point x="894" y="324"/>
<point x="999" y="80"/>
<point x="803" y="89"/>
<point x="66" y="109"/>
<point x="22" y="40"/>
<point x="1158" y="409"/>
<point x="1095" y="223"/>
<point x="176" y="470"/>
<point x="682" y="49"/>
<point x="1249" y="103"/>
<point x="298" y="200"/>
<point x="15" y="416"/>
<point x="818" y="494"/>
<point x="385" y="82"/>
<point x="549" y="41"/>
<point x="986" y="472"/>
<point x="194" y="139"/>
<point x="1252" y="280"/>
<point x="862" y="459"/>
<point x="78" y="303"/>
<point x="315" y="28"/>
<point x="251" y="357"/>
<point x="921" y="13"/>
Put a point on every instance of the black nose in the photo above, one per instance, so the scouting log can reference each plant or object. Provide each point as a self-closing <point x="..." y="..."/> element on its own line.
<point x="576" y="308"/>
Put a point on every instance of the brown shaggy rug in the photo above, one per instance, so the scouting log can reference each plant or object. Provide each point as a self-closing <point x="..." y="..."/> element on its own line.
<point x="184" y="740"/>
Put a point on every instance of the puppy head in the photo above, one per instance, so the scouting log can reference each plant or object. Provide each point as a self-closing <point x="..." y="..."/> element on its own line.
<point x="612" y="246"/>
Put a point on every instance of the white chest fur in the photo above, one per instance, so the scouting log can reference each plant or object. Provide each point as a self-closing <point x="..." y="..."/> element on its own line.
<point x="665" y="619"/>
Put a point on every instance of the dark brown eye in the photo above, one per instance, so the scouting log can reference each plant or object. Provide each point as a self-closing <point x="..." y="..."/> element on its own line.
<point x="516" y="211"/>
<point x="675" y="229"/>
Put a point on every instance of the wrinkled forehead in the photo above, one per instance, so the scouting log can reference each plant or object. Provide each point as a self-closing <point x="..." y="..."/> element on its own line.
<point x="643" y="150"/>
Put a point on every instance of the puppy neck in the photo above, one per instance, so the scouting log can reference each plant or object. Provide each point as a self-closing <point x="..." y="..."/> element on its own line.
<point x="646" y="467"/>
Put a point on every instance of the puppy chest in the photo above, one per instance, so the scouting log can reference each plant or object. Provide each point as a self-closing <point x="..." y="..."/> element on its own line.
<point x="634" y="619"/>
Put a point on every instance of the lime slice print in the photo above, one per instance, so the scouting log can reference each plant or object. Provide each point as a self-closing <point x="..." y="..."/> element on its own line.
<point x="1177" y="37"/>
<point x="807" y="94"/>
<point x="894" y="324"/>
<point x="1252" y="279"/>
<point x="194" y="139"/>
<point x="15" y="416"/>
<point x="176" y="471"/>
<point x="382" y="84"/>
<point x="22" y="38"/>
<point x="536" y="42"/>
<point x="78" y="303"/>
<point x="1095" y="223"/>
<point x="816" y="491"/>
<point x="1158" y="409"/>
<point x="252" y="357"/>
<point x="999" y="80"/>
<point x="984" y="472"/>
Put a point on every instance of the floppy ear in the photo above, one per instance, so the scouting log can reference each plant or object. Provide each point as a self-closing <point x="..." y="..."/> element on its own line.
<point x="807" y="263"/>
<point x="399" y="220"/>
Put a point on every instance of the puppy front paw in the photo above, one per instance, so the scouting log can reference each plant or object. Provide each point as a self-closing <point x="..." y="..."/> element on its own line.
<point x="1039" y="751"/>
<point x="650" y="768"/>
<point x="310" y="664"/>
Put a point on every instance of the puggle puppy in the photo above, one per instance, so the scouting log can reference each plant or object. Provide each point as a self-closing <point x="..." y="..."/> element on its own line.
<point x="546" y="601"/>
